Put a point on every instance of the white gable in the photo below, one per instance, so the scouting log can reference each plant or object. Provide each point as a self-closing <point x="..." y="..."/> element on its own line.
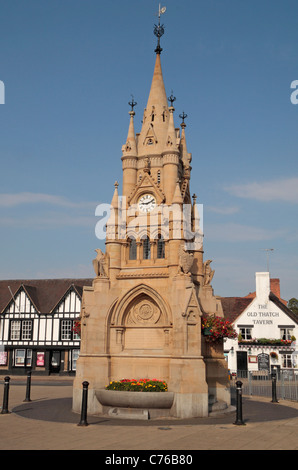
<point x="264" y="319"/>
<point x="20" y="303"/>
<point x="71" y="303"/>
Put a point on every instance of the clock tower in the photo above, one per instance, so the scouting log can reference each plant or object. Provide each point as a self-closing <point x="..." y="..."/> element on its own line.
<point x="142" y="316"/>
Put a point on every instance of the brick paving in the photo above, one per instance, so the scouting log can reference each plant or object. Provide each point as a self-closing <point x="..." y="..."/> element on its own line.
<point x="48" y="423"/>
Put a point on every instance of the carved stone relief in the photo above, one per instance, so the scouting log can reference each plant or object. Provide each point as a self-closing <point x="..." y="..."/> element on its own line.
<point x="143" y="312"/>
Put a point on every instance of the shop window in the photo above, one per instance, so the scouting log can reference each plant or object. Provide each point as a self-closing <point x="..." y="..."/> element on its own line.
<point x="23" y="357"/>
<point x="73" y="357"/>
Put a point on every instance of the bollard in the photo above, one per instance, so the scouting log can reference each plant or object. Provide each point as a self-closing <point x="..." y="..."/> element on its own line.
<point x="83" y="421"/>
<point x="239" y="420"/>
<point x="5" y="396"/>
<point x="274" y="397"/>
<point x="28" y="387"/>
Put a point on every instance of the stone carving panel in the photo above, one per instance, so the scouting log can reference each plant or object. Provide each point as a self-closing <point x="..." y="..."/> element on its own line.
<point x="143" y="311"/>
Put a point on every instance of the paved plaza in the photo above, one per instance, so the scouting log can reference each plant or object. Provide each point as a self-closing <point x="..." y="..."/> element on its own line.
<point x="48" y="423"/>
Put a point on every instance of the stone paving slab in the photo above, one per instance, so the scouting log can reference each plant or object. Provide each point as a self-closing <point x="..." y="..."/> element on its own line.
<point x="48" y="423"/>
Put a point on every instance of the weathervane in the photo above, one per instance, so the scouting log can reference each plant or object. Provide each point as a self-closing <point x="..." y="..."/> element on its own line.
<point x="159" y="29"/>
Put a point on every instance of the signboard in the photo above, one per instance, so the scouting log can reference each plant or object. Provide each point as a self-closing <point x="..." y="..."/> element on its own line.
<point x="263" y="361"/>
<point x="3" y="358"/>
<point x="40" y="359"/>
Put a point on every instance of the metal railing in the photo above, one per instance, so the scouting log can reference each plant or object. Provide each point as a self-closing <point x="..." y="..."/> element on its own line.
<point x="259" y="383"/>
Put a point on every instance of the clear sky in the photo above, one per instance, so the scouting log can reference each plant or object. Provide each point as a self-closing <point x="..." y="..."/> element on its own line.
<point x="69" y="68"/>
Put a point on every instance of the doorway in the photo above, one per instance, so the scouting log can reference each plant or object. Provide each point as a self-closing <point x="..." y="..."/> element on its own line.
<point x="55" y="360"/>
<point x="242" y="363"/>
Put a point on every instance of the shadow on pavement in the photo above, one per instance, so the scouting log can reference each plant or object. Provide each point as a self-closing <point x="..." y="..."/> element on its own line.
<point x="60" y="410"/>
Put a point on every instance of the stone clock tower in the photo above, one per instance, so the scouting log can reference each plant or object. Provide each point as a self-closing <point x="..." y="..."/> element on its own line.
<point x="142" y="316"/>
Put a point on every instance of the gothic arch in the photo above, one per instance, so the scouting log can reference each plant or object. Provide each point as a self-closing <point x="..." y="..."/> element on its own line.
<point x="136" y="293"/>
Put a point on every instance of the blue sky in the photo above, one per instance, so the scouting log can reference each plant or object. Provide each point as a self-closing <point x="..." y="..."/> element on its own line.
<point x="69" y="68"/>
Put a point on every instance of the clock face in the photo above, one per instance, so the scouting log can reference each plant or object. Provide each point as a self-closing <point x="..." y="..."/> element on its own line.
<point x="147" y="203"/>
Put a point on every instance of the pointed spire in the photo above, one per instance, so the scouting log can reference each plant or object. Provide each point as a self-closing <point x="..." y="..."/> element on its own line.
<point x="157" y="95"/>
<point x="177" y="197"/>
<point x="171" y="139"/>
<point x="130" y="147"/>
<point x="131" y="137"/>
<point x="186" y="157"/>
<point x="156" y="115"/>
<point x="115" y="199"/>
<point x="112" y="222"/>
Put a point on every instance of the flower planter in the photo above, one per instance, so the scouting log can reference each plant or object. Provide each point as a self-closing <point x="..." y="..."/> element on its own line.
<point x="143" y="400"/>
<point x="213" y="349"/>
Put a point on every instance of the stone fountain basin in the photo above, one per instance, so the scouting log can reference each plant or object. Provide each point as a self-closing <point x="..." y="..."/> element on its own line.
<point x="147" y="400"/>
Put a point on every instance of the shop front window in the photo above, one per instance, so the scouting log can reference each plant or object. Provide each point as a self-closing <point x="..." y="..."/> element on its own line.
<point x="73" y="359"/>
<point x="23" y="358"/>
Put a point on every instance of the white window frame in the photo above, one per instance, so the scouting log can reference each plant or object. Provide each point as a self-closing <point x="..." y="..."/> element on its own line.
<point x="66" y="332"/>
<point x="21" y="330"/>
<point x="286" y="333"/>
<point x="287" y="361"/>
<point x="246" y="332"/>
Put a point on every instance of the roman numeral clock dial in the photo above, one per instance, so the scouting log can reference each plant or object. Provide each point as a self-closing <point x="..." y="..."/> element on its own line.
<point x="147" y="203"/>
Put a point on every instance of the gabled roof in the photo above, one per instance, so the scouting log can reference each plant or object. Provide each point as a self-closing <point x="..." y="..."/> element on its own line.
<point x="235" y="306"/>
<point x="45" y="294"/>
<point x="279" y="303"/>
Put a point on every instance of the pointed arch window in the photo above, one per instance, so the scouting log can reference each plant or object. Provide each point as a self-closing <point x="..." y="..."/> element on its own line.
<point x="132" y="248"/>
<point x="146" y="248"/>
<point x="160" y="247"/>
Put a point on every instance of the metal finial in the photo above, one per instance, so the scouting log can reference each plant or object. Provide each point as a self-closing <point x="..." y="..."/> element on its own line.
<point x="159" y="29"/>
<point x="132" y="103"/>
<point x="172" y="98"/>
<point x="183" y="116"/>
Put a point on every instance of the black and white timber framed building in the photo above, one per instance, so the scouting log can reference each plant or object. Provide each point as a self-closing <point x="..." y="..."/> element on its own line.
<point x="36" y="325"/>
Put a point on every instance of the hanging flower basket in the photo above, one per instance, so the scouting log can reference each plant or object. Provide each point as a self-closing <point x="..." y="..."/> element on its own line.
<point x="216" y="328"/>
<point x="77" y="327"/>
<point x="274" y="355"/>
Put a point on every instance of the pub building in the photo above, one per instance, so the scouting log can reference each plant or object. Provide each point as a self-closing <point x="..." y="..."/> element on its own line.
<point x="267" y="330"/>
<point x="37" y="326"/>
